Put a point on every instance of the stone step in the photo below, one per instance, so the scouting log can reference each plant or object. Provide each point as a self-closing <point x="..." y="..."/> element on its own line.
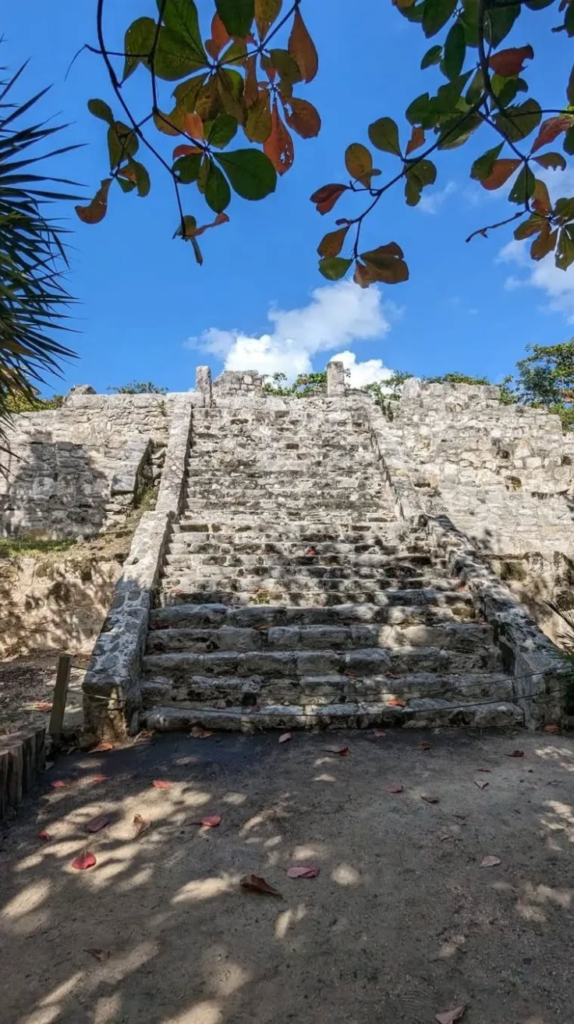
<point x="314" y="691"/>
<point x="218" y="567"/>
<point x="171" y="595"/>
<point x="257" y="546"/>
<point x="345" y="530"/>
<point x="409" y="607"/>
<point x="234" y="581"/>
<point x="298" y="665"/>
<point x="422" y="713"/>
<point x="234" y="518"/>
<point x="461" y="636"/>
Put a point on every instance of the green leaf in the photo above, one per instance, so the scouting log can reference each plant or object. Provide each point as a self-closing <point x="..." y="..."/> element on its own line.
<point x="359" y="163"/>
<point x="236" y="15"/>
<point x="552" y="160"/>
<point x="454" y="51"/>
<point x="432" y="56"/>
<point x="174" y="57"/>
<point x="569" y="142"/>
<point x="482" y="167"/>
<point x="436" y="14"/>
<point x="139" y="39"/>
<point x="418" y="175"/>
<point x="499" y="21"/>
<point x="456" y="130"/>
<point x="180" y="17"/>
<point x="258" y="122"/>
<point x="251" y="173"/>
<point x="334" y="267"/>
<point x="565" y="249"/>
<point x="507" y="89"/>
<point x="564" y="208"/>
<point x="142" y="177"/>
<point x="126" y="184"/>
<point x="476" y="88"/>
<point x="100" y="109"/>
<point x="217" y="191"/>
<point x="266" y="12"/>
<point x="384" y="134"/>
<point x="520" y="120"/>
<point x="570" y="88"/>
<point x="469" y="18"/>
<point x="532" y="226"/>
<point x="186" y="93"/>
<point x="122" y="143"/>
<point x="187" y="168"/>
<point x="449" y="95"/>
<point x="221" y="131"/>
<point x="386" y="264"/>
<point x="418" y="111"/>
<point x="285" y="65"/>
<point x="523" y="187"/>
<point x="569" y="19"/>
<point x="230" y="87"/>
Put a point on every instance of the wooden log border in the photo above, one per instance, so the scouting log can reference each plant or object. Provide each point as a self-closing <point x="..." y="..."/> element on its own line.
<point x="22" y="759"/>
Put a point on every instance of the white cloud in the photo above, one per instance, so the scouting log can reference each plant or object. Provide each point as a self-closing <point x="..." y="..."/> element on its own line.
<point x="432" y="201"/>
<point x="367" y="372"/>
<point x="336" y="316"/>
<point x="557" y="285"/>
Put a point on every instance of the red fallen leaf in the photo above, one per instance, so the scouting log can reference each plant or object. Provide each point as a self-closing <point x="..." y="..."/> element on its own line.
<point x="199" y="733"/>
<point x="302" y="872"/>
<point x="516" y="753"/>
<point x="285" y="737"/>
<point x="481" y="783"/>
<point x="490" y="862"/>
<point x="98" y="778"/>
<point x="160" y="784"/>
<point x="58" y="784"/>
<point x="44" y="836"/>
<point x="510" y="62"/>
<point x="395" y="787"/>
<point x="552" y="728"/>
<point x="141" y="825"/>
<point x="309" y="553"/>
<point x="379" y="734"/>
<point x="430" y="799"/>
<point x="211" y="822"/>
<point x="97" y="824"/>
<point x="396" y="703"/>
<point x="451" y="1016"/>
<point x="99" y="954"/>
<point x="103" y="746"/>
<point x="43" y="705"/>
<point x="425" y="746"/>
<point x="341" y="751"/>
<point x="254" y="883"/>
<point x="84" y="860"/>
<point x="484" y="770"/>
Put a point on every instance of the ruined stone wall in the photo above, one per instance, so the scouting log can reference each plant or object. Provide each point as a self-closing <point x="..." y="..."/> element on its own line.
<point x="231" y="384"/>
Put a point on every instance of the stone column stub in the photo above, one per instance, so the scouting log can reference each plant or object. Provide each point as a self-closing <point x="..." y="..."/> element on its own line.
<point x="335" y="379"/>
<point x="203" y="383"/>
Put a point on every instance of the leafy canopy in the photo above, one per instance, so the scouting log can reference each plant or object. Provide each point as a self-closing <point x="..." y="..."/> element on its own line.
<point x="223" y="103"/>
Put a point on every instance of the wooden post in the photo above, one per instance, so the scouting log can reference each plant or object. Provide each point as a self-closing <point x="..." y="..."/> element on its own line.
<point x="60" y="696"/>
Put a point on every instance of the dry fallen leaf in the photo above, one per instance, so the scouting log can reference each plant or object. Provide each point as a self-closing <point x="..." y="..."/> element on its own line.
<point x="484" y="770"/>
<point x="44" y="836"/>
<point x="394" y="788"/>
<point x="516" y="753"/>
<point x="341" y="751"/>
<point x="481" y="783"/>
<point x="101" y="747"/>
<point x="425" y="746"/>
<point x="58" y="784"/>
<point x="285" y="737"/>
<point x="302" y="872"/>
<point x="430" y="799"/>
<point x="254" y="883"/>
<point x="84" y="860"/>
<point x="160" y="784"/>
<point x="210" y="822"/>
<point x="145" y="734"/>
<point x="99" y="954"/>
<point x="309" y="553"/>
<point x="489" y="862"/>
<point x="396" y="703"/>
<point x="379" y="734"/>
<point x="451" y="1016"/>
<point x="43" y="705"/>
<point x="98" y="778"/>
<point x="551" y="728"/>
<point x="97" y="824"/>
<point x="141" y="826"/>
<point x="199" y="733"/>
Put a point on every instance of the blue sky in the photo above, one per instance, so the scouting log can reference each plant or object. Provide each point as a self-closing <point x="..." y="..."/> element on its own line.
<point x="468" y="307"/>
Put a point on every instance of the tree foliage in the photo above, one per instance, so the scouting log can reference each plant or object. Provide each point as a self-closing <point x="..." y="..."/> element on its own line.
<point x="135" y="387"/>
<point x="244" y="74"/>
<point x="33" y="297"/>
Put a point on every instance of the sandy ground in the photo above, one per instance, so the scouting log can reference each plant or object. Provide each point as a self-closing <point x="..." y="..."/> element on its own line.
<point x="27" y="690"/>
<point x="401" y="924"/>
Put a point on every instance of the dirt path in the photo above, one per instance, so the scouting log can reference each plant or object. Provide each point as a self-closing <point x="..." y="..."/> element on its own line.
<point x="401" y="924"/>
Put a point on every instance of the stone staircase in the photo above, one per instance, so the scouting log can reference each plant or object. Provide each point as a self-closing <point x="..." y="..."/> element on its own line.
<point x="291" y="595"/>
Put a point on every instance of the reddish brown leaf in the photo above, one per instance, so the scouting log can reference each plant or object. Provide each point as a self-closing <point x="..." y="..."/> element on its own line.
<point x="326" y="196"/>
<point x="44" y="836"/>
<point x="266" y="12"/>
<point x="481" y="783"/>
<point x="99" y="954"/>
<point x="300" y="871"/>
<point x="395" y="702"/>
<point x="160" y="784"/>
<point x="285" y="737"/>
<point x="221" y="218"/>
<point x="279" y="146"/>
<point x="185" y="151"/>
<point x="516" y="753"/>
<point x="303" y="118"/>
<point x="58" y="784"/>
<point x="254" y="883"/>
<point x="395" y="787"/>
<point x="98" y="207"/>
<point x="101" y="747"/>
<point x="501" y="172"/>
<point x="490" y="862"/>
<point x="309" y="553"/>
<point x="425" y="746"/>
<point x="341" y="751"/>
<point x="510" y="62"/>
<point x="359" y="163"/>
<point x="97" y="824"/>
<point x="362" y="275"/>
<point x="193" y="125"/>
<point x="379" y="734"/>
<point x="416" y="140"/>
<point x="332" y="243"/>
<point x="451" y="1016"/>
<point x="541" y="198"/>
<point x="219" y="37"/>
<point x="84" y="860"/>
<point x="211" y="822"/>
<point x="98" y="778"/>
<point x="141" y="826"/>
<point x="552" y="728"/>
<point x="199" y="733"/>
<point x="302" y="49"/>
<point x="551" y="129"/>
<point x="43" y="705"/>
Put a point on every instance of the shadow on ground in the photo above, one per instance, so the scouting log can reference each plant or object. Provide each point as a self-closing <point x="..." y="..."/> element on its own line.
<point x="401" y="923"/>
